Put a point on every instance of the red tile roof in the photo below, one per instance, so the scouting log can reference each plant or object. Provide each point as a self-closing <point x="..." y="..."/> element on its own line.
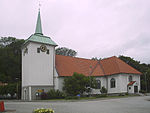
<point x="66" y="66"/>
<point x="131" y="83"/>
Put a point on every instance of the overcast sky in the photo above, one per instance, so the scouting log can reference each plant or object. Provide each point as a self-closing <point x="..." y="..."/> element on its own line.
<point x="94" y="28"/>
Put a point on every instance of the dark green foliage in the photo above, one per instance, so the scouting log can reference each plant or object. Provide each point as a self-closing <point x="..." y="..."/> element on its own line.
<point x="5" y="41"/>
<point x="65" y="51"/>
<point x="10" y="59"/>
<point x="77" y="84"/>
<point x="8" y="89"/>
<point x="142" y="91"/>
<point x="95" y="58"/>
<point x="55" y="94"/>
<point x="135" y="64"/>
<point x="103" y="90"/>
<point x="10" y="62"/>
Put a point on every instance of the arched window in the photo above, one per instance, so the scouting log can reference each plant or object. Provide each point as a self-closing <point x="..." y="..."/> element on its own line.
<point x="98" y="84"/>
<point x="130" y="78"/>
<point x="112" y="83"/>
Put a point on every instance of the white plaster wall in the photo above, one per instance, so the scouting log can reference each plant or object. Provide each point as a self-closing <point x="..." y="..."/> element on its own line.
<point x="131" y="90"/>
<point x="37" y="68"/>
<point x="117" y="89"/>
<point x="137" y="79"/>
<point x="103" y="83"/>
<point x="56" y="80"/>
<point x="60" y="83"/>
<point x="25" y="68"/>
<point x="123" y="83"/>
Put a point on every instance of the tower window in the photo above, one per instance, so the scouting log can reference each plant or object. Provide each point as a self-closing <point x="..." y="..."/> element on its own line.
<point x="47" y="51"/>
<point x="38" y="50"/>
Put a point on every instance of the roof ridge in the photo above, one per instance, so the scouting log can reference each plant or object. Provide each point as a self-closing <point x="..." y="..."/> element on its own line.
<point x="117" y="63"/>
<point x="94" y="68"/>
<point x="109" y="58"/>
<point x="88" y="58"/>
<point x="102" y="67"/>
<point x="78" y="58"/>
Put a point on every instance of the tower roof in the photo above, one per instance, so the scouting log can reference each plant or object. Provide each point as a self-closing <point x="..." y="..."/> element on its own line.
<point x="38" y="36"/>
<point x="38" y="29"/>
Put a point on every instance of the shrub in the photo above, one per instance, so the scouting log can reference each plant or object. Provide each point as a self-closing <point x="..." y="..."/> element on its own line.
<point x="42" y="110"/>
<point x="103" y="90"/>
<point x="127" y="93"/>
<point x="8" y="89"/>
<point x="55" y="94"/>
<point x="142" y="91"/>
<point x="122" y="94"/>
<point x="77" y="84"/>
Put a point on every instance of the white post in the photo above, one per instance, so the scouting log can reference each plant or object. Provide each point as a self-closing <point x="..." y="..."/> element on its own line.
<point x="30" y="93"/>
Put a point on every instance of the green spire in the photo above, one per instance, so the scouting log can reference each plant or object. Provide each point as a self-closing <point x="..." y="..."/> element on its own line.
<point x="38" y="25"/>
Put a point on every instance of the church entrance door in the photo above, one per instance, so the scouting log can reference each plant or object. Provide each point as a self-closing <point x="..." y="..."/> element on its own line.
<point x="135" y="89"/>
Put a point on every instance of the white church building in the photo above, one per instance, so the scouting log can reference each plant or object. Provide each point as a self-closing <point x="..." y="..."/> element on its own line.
<point x="42" y="70"/>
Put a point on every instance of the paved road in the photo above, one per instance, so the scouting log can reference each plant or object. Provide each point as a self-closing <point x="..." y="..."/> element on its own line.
<point x="122" y="105"/>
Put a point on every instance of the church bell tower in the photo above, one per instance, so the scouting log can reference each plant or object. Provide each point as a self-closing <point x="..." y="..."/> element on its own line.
<point x="38" y="63"/>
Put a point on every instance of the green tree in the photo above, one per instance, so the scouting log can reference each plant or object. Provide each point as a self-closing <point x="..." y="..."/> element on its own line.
<point x="135" y="64"/>
<point x="95" y="58"/>
<point x="4" y="41"/>
<point x="147" y="80"/>
<point x="77" y="84"/>
<point x="11" y="89"/>
<point x="10" y="59"/>
<point x="65" y="51"/>
<point x="3" y="90"/>
<point x="8" y="89"/>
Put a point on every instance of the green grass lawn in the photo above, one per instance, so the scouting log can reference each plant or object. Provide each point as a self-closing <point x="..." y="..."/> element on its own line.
<point x="92" y="98"/>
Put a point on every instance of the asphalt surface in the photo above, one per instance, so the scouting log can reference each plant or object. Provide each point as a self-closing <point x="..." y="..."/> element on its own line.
<point x="140" y="104"/>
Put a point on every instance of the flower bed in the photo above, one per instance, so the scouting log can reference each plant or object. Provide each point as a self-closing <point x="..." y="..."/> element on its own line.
<point x="43" y="110"/>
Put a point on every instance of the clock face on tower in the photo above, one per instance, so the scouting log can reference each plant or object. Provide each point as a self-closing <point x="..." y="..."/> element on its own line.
<point x="43" y="48"/>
